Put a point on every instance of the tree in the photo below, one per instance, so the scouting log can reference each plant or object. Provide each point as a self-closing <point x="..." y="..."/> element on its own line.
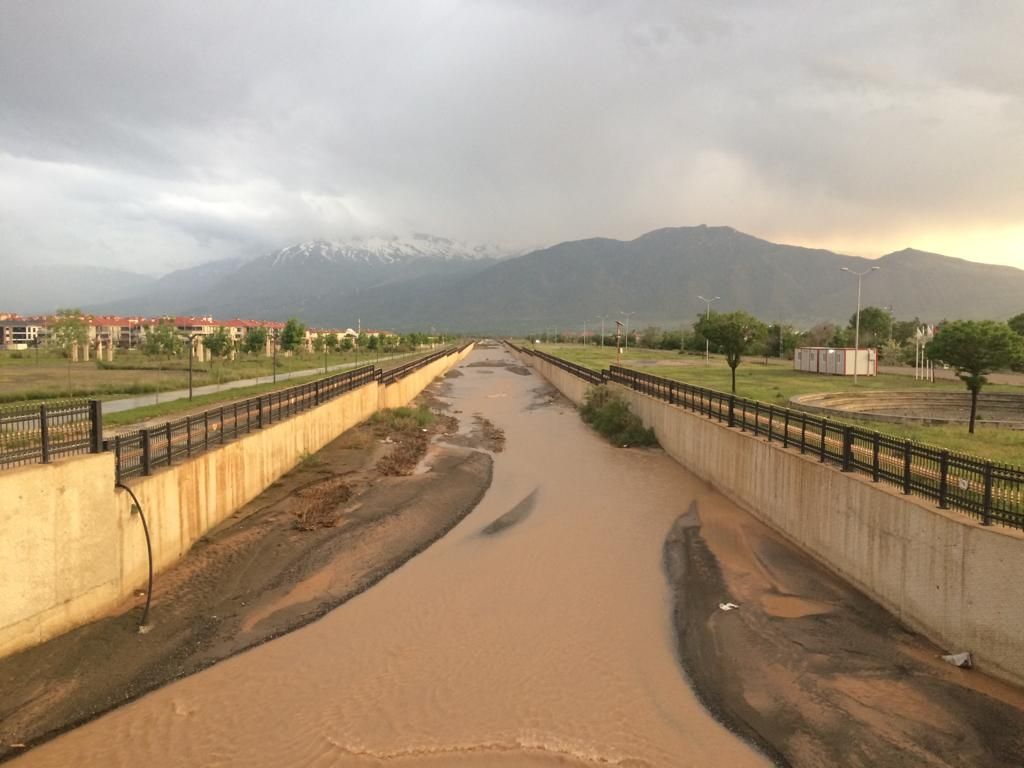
<point x="875" y="323"/>
<point x="319" y="343"/>
<point x="820" y="335"/>
<point x="1016" y="324"/>
<point x="332" y="342"/>
<point x="373" y="343"/>
<point x="781" y="341"/>
<point x="650" y="337"/>
<point x="733" y="334"/>
<point x="162" y="339"/>
<point x="218" y="342"/>
<point x="293" y="336"/>
<point x="346" y="343"/>
<point x="903" y="330"/>
<point x="69" y="329"/>
<point x="255" y="340"/>
<point x="975" y="348"/>
<point x="362" y="339"/>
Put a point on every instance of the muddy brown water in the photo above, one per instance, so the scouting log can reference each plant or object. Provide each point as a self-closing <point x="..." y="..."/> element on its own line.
<point x="537" y="632"/>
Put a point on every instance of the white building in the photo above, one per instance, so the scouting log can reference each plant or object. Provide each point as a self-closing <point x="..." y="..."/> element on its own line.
<point x="836" y="361"/>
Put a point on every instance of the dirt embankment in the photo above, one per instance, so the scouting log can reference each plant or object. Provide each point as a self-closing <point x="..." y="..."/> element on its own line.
<point x="334" y="526"/>
<point x="814" y="672"/>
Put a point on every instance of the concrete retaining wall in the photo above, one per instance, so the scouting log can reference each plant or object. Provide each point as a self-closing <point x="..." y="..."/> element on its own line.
<point x="948" y="577"/>
<point x="70" y="549"/>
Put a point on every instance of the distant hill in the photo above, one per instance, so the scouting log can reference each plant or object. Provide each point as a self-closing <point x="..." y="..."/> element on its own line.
<point x="427" y="281"/>
<point x="659" y="276"/>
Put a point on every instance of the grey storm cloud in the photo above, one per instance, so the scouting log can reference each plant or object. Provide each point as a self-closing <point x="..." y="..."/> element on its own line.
<point x="160" y="134"/>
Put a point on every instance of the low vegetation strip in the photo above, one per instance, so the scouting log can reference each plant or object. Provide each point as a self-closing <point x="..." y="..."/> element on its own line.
<point x="989" y="490"/>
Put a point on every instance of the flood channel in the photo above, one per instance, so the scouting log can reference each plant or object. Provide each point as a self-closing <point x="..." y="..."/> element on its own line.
<point x="537" y="632"/>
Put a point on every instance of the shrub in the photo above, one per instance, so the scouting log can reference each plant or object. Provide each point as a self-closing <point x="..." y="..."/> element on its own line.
<point x="608" y="413"/>
<point x="404" y="418"/>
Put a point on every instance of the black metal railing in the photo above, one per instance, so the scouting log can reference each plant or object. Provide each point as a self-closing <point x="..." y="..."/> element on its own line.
<point x="140" y="452"/>
<point x="33" y="434"/>
<point x="991" y="491"/>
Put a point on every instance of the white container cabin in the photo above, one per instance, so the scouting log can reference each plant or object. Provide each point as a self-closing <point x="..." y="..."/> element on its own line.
<point x="836" y="361"/>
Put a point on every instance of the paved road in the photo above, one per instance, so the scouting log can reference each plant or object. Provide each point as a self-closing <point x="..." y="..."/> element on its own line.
<point x="942" y="373"/>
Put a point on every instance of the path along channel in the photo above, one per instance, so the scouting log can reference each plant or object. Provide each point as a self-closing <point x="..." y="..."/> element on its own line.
<point x="546" y="642"/>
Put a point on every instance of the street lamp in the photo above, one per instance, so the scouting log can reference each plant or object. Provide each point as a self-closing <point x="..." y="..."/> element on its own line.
<point x="273" y="336"/>
<point x="627" y="315"/>
<point x="707" y="343"/>
<point x="856" y="337"/>
<point x="191" y="338"/>
<point x="602" y="318"/>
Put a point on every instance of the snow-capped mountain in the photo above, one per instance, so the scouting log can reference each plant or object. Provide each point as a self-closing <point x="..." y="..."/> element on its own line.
<point x="386" y="250"/>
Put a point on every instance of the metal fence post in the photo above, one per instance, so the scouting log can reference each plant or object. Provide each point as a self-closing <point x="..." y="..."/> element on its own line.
<point x="785" y="428"/>
<point x="206" y="430"/>
<point x="943" y="479"/>
<point x="732" y="410"/>
<point x="986" y="508"/>
<point x="44" y="433"/>
<point x="821" y="449"/>
<point x="876" y="444"/>
<point x="147" y="458"/>
<point x="907" y="458"/>
<point x="188" y="435"/>
<point x="95" y="426"/>
<point x="757" y="418"/>
<point x="222" y="425"/>
<point x="167" y="428"/>
<point x="847" y="447"/>
<point x="259" y="413"/>
<point x="771" y="420"/>
<point x="117" y="458"/>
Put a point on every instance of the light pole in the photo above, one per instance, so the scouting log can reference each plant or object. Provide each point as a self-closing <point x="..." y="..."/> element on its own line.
<point x="191" y="338"/>
<point x="627" y="315"/>
<point x="707" y="343"/>
<point x="273" y="336"/>
<point x="602" y="318"/>
<point x="856" y="333"/>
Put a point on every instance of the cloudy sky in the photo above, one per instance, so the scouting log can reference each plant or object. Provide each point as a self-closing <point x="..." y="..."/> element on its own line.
<point x="156" y="135"/>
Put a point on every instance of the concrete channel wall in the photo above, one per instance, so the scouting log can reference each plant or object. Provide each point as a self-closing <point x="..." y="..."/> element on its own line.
<point x="952" y="579"/>
<point x="71" y="550"/>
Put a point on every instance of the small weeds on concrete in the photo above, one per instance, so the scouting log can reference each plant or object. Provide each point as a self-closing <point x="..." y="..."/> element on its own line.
<point x="608" y="413"/>
<point x="309" y="460"/>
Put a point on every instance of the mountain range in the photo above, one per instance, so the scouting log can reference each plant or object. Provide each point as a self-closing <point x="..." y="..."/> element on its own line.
<point x="429" y="281"/>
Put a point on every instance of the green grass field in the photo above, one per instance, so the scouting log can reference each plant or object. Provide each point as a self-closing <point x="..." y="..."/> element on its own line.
<point x="26" y="378"/>
<point x="777" y="382"/>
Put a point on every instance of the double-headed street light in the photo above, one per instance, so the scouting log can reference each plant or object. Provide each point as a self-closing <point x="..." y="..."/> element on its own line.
<point x="627" y="315"/>
<point x="856" y="337"/>
<point x="707" y="344"/>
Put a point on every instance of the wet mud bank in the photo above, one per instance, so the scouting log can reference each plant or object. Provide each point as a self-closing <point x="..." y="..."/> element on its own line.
<point x="812" y="671"/>
<point x="327" y="531"/>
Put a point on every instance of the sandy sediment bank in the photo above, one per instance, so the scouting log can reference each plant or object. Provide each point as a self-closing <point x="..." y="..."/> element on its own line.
<point x="325" y="532"/>
<point x="810" y="669"/>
